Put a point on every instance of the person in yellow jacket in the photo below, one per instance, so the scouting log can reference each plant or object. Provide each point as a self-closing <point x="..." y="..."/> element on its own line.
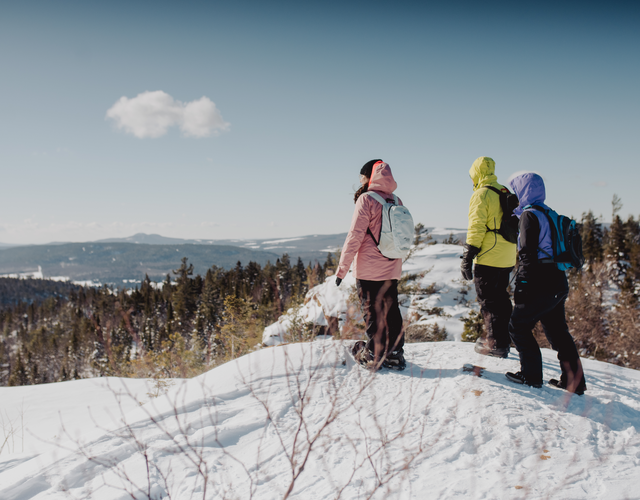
<point x="494" y="258"/>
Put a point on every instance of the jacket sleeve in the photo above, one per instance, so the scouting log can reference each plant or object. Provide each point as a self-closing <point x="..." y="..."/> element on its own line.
<point x="529" y="239"/>
<point x="478" y="215"/>
<point x="357" y="233"/>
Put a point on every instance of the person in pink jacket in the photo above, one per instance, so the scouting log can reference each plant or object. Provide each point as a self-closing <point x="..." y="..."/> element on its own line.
<point x="376" y="275"/>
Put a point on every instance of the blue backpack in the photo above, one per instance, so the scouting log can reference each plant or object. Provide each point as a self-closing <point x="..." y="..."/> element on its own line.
<point x="566" y="241"/>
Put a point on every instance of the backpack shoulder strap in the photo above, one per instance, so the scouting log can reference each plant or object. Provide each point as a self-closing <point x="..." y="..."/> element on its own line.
<point x="552" y="230"/>
<point x="380" y="200"/>
<point x="495" y="190"/>
<point x="539" y="208"/>
<point x="376" y="197"/>
<point x="499" y="193"/>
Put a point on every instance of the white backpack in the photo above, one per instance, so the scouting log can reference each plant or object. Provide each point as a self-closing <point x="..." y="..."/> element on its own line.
<point x="396" y="233"/>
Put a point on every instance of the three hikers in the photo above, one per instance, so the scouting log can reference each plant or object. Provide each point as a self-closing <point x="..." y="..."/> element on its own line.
<point x="496" y="223"/>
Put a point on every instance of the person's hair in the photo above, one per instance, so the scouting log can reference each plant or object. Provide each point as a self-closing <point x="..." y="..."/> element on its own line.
<point x="363" y="189"/>
<point x="366" y="170"/>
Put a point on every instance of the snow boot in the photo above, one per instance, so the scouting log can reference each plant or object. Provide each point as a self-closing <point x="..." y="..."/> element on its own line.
<point x="560" y="384"/>
<point x="364" y="356"/>
<point x="484" y="346"/>
<point x="518" y="378"/>
<point x="571" y="372"/>
<point x="394" y="361"/>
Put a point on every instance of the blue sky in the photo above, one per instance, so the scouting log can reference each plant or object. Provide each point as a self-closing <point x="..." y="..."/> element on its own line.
<point x="304" y="94"/>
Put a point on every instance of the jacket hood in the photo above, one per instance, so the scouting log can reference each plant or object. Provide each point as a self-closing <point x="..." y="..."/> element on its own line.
<point x="482" y="172"/>
<point x="530" y="190"/>
<point x="382" y="178"/>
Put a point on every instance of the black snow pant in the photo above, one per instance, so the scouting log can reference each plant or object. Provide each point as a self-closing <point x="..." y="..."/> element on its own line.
<point x="547" y="308"/>
<point x="495" y="303"/>
<point x="382" y="316"/>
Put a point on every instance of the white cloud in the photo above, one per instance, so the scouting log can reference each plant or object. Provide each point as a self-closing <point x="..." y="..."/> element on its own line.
<point x="151" y="114"/>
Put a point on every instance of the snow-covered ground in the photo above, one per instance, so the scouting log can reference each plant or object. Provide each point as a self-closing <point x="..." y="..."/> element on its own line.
<point x="440" y="296"/>
<point x="301" y="418"/>
<point x="302" y="421"/>
<point x="31" y="417"/>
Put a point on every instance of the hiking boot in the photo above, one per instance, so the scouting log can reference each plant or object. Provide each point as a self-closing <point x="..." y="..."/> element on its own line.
<point x="561" y="384"/>
<point x="483" y="346"/>
<point x="518" y="378"/>
<point x="394" y="361"/>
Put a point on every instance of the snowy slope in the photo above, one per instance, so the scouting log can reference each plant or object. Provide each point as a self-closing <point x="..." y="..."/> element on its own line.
<point x="439" y="285"/>
<point x="43" y="417"/>
<point x="244" y="429"/>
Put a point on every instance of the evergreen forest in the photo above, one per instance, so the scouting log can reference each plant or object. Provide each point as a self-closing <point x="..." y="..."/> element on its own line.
<point x="179" y="328"/>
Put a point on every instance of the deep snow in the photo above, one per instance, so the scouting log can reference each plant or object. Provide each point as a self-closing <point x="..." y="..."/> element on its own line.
<point x="432" y="431"/>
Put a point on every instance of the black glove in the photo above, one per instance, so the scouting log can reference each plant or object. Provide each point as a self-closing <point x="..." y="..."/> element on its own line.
<point x="467" y="261"/>
<point x="338" y="281"/>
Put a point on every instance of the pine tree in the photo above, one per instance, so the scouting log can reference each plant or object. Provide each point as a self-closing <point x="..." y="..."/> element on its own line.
<point x="284" y="280"/>
<point x="183" y="296"/>
<point x="591" y="232"/>
<point x="615" y="246"/>
<point x="18" y="374"/>
<point x="300" y="279"/>
<point x="330" y="265"/>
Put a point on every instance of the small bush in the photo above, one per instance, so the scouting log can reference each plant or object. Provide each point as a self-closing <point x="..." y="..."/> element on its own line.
<point x="473" y="326"/>
<point x="451" y="240"/>
<point x="424" y="332"/>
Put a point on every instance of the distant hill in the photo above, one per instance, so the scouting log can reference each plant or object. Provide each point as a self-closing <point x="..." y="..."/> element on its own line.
<point x="155" y="239"/>
<point x="115" y="262"/>
<point x="116" y="259"/>
<point x="309" y="248"/>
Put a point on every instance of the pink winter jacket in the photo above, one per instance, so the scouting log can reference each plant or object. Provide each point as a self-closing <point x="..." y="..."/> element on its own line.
<point x="369" y="263"/>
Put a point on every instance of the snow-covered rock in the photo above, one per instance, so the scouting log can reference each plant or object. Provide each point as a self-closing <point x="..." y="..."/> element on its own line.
<point x="441" y="296"/>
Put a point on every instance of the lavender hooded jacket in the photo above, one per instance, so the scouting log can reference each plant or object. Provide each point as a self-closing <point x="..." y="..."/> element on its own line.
<point x="359" y="247"/>
<point x="530" y="190"/>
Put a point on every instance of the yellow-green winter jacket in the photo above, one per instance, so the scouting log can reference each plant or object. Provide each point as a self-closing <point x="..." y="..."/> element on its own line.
<point x="485" y="214"/>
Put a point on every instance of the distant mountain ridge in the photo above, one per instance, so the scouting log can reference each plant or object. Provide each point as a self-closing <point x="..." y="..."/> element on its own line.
<point x="120" y="262"/>
<point x="116" y="260"/>
<point x="296" y="246"/>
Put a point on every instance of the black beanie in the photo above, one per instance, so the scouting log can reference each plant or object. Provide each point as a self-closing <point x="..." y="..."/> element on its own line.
<point x="368" y="167"/>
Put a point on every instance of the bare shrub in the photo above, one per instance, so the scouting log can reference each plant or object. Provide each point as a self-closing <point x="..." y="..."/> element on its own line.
<point x="353" y="327"/>
<point x="451" y="240"/>
<point x="586" y="312"/>
<point x="623" y="341"/>
<point x="409" y="285"/>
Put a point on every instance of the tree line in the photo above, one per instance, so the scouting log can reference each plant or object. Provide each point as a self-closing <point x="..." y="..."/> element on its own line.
<point x="178" y="328"/>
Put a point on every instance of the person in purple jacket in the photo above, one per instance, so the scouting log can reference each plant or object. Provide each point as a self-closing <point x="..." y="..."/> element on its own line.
<point x="540" y="294"/>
